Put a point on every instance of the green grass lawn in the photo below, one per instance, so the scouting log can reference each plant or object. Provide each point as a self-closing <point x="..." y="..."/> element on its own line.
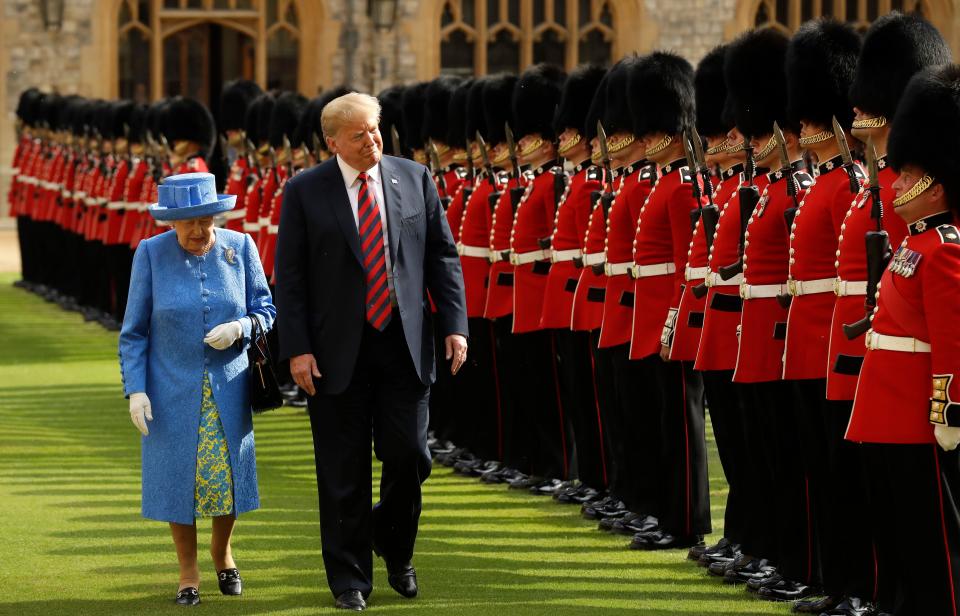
<point x="72" y="540"/>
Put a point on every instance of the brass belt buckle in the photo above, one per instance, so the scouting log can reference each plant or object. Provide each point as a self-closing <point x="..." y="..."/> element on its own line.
<point x="792" y="287"/>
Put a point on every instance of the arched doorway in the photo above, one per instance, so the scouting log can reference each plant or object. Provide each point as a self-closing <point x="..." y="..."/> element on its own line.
<point x="191" y="47"/>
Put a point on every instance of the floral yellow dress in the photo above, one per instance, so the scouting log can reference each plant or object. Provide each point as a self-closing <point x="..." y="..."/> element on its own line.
<point x="214" y="483"/>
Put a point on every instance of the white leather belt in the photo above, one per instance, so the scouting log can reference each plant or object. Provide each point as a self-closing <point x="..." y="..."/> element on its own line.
<point x="131" y="205"/>
<point x="523" y="258"/>
<point x="234" y="214"/>
<point x="656" y="269"/>
<point x="904" y="344"/>
<point x="65" y="193"/>
<point x="28" y="179"/>
<point x="617" y="269"/>
<point x="79" y="194"/>
<point x="90" y="201"/>
<point x="273" y="229"/>
<point x="263" y="221"/>
<point x="797" y="288"/>
<point x="481" y="252"/>
<point x="496" y="256"/>
<point x="842" y="288"/>
<point x="714" y="280"/>
<point x="566" y="255"/>
<point x="761" y="291"/>
<point x="250" y="226"/>
<point x="594" y="258"/>
<point x="117" y="205"/>
<point x="695" y="273"/>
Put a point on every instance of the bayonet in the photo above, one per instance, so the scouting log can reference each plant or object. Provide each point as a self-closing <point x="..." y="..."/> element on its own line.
<point x="512" y="149"/>
<point x="485" y="157"/>
<point x="437" y="171"/>
<point x="749" y="196"/>
<point x="848" y="164"/>
<point x="317" y="146"/>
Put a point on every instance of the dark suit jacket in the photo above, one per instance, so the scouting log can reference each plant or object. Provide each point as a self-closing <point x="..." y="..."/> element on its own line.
<point x="320" y="286"/>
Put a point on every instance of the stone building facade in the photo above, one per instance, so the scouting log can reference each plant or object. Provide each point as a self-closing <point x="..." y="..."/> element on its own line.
<point x="151" y="48"/>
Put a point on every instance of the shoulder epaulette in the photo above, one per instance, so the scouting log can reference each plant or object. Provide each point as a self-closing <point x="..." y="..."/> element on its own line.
<point x="595" y="174"/>
<point x="685" y="175"/>
<point x="804" y="179"/>
<point x="949" y="234"/>
<point x="648" y="172"/>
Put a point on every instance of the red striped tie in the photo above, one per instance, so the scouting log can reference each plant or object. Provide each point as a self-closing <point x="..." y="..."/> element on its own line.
<point x="374" y="258"/>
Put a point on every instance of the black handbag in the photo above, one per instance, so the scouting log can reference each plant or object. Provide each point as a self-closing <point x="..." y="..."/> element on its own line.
<point x="264" y="387"/>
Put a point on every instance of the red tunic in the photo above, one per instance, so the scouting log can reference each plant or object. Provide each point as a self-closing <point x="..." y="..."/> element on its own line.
<point x="689" y="321"/>
<point x="272" y="201"/>
<point x="532" y="222"/>
<point x="116" y="206"/>
<point x="663" y="235"/>
<point x="636" y="182"/>
<point x="499" y="300"/>
<point x="570" y="226"/>
<point x="587" y="312"/>
<point x="919" y="298"/>
<point x="13" y="199"/>
<point x="763" y="322"/>
<point x="813" y="252"/>
<point x="475" y="235"/>
<point x="131" y="198"/>
<point x="845" y="356"/>
<point x="237" y="185"/>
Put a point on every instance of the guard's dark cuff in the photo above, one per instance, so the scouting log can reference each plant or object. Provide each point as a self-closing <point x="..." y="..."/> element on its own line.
<point x="943" y="410"/>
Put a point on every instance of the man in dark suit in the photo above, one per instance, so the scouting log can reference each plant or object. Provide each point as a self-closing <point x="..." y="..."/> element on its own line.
<point x="362" y="240"/>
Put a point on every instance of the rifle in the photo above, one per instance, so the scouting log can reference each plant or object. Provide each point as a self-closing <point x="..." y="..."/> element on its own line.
<point x="708" y="215"/>
<point x="494" y="195"/>
<point x="606" y="197"/>
<point x="516" y="192"/>
<point x="317" y="147"/>
<point x="878" y="248"/>
<point x="395" y="141"/>
<point x="847" y="157"/>
<point x="749" y="196"/>
<point x="438" y="174"/>
<point x="793" y="190"/>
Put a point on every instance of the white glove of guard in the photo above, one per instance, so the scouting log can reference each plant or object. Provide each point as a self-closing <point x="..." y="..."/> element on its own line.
<point x="947" y="437"/>
<point x="223" y="335"/>
<point x="140" y="412"/>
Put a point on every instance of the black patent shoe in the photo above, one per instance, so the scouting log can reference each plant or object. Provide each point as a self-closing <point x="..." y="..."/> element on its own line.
<point x="403" y="579"/>
<point x="785" y="590"/>
<point x="851" y="606"/>
<point x="816" y="605"/>
<point x="230" y="582"/>
<point x="351" y="600"/>
<point x="187" y="596"/>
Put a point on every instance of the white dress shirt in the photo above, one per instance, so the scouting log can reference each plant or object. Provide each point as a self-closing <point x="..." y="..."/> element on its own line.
<point x="352" y="185"/>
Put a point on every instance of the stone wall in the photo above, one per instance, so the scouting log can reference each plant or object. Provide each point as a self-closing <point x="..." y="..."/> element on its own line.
<point x="690" y="27"/>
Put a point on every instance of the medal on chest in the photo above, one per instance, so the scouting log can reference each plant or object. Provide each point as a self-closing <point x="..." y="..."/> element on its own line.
<point x="905" y="261"/>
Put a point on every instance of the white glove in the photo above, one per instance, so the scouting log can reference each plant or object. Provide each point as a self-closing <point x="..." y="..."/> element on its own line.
<point x="947" y="437"/>
<point x="140" y="412"/>
<point x="223" y="335"/>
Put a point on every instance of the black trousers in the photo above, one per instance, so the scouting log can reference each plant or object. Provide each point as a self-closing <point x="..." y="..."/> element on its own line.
<point x="442" y="400"/>
<point x="914" y="491"/>
<point x="477" y="421"/>
<point x="610" y="430"/>
<point x="847" y="559"/>
<point x="535" y="395"/>
<point x="578" y="399"/>
<point x="685" y="491"/>
<point x="386" y="398"/>
<point x="636" y="431"/>
<point x="725" y="402"/>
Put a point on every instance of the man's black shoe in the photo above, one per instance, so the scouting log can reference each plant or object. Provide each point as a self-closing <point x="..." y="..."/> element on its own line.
<point x="466" y="467"/>
<point x="588" y="496"/>
<point x="600" y="510"/>
<point x="187" y="596"/>
<point x="403" y="579"/>
<point x="766" y="578"/>
<point x="816" y="605"/>
<point x="785" y="590"/>
<point x="662" y="540"/>
<point x="697" y="551"/>
<point x="351" y="600"/>
<point x="606" y="523"/>
<point x="524" y="482"/>
<point x="637" y="524"/>
<point x="851" y="606"/>
<point x="548" y="487"/>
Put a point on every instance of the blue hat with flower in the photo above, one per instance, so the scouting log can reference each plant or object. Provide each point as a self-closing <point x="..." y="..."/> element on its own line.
<point x="189" y="195"/>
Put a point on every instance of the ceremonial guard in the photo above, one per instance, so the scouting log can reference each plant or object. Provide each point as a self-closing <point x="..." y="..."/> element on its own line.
<point x="119" y="258"/>
<point x="577" y="371"/>
<point x="820" y="64"/>
<point x="391" y="119"/>
<point x="551" y="398"/>
<point x="904" y="406"/>
<point x="661" y="99"/>
<point x="234" y="100"/>
<point x="257" y="129"/>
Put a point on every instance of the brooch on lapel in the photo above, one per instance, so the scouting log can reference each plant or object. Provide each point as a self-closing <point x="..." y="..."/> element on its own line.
<point x="230" y="255"/>
<point x="905" y="262"/>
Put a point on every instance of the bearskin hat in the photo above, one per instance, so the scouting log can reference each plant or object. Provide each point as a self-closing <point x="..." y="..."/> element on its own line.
<point x="186" y="119"/>
<point x="476" y="122"/>
<point x="285" y="117"/>
<point x="154" y="119"/>
<point x="578" y="92"/>
<point x="895" y="47"/>
<point x="391" y="116"/>
<point x="414" y="102"/>
<point x="931" y="102"/>
<point x="309" y="125"/>
<point x="87" y="117"/>
<point x="64" y="119"/>
<point x="756" y="103"/>
<point x="26" y="105"/>
<point x="104" y="120"/>
<point x="821" y="61"/>
<point x="535" y="100"/>
<point x="122" y="110"/>
<point x="234" y="100"/>
<point x="456" y="136"/>
<point x="616" y="116"/>
<point x="256" y="122"/>
<point x="47" y="109"/>
<point x="435" y="118"/>
<point x="137" y="123"/>
<point x="596" y="110"/>
<point x="711" y="93"/>
<point x="661" y="94"/>
<point x="497" y="94"/>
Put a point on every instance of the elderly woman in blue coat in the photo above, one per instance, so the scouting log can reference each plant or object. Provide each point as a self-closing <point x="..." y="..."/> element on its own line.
<point x="194" y="293"/>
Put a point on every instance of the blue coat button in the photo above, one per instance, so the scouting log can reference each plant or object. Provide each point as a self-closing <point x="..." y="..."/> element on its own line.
<point x="203" y="276"/>
<point x="206" y="309"/>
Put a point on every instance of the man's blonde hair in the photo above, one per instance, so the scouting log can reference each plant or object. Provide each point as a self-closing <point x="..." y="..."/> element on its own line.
<point x="347" y="108"/>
